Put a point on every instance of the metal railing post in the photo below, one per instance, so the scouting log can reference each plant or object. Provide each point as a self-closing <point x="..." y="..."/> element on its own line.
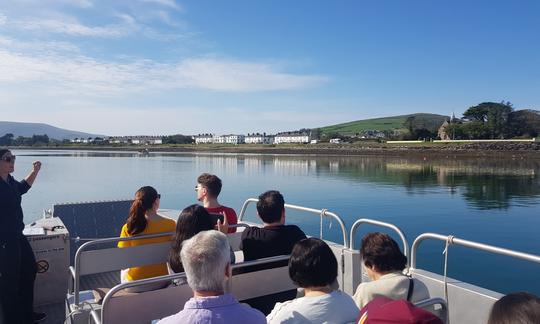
<point x="470" y="244"/>
<point x="382" y="224"/>
<point x="318" y="212"/>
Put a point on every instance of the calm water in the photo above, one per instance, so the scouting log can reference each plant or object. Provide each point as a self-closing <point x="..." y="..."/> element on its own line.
<point x="489" y="201"/>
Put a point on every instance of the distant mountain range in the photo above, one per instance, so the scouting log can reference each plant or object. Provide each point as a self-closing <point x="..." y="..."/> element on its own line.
<point x="29" y="129"/>
<point x="431" y="121"/>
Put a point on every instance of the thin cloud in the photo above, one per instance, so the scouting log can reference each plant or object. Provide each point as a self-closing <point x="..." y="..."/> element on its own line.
<point x="166" y="3"/>
<point x="72" y="73"/>
<point x="73" y="28"/>
<point x="237" y="76"/>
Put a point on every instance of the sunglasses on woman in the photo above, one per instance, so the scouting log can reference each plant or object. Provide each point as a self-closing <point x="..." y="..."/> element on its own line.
<point x="9" y="159"/>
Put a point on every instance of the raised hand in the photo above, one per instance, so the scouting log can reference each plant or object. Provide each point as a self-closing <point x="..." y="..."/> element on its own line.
<point x="223" y="227"/>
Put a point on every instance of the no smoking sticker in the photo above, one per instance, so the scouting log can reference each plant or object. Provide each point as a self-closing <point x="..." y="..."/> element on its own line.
<point x="42" y="266"/>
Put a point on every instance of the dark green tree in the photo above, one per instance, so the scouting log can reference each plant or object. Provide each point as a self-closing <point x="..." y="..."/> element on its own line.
<point x="6" y="140"/>
<point x="491" y="118"/>
<point x="524" y="123"/>
<point x="178" y="139"/>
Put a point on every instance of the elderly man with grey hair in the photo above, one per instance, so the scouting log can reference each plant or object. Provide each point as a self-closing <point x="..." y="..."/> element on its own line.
<point x="207" y="263"/>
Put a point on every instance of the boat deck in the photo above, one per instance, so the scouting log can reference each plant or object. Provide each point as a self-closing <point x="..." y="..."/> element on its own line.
<point x="56" y="313"/>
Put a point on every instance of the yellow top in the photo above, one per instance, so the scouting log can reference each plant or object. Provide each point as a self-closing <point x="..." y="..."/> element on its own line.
<point x="162" y="225"/>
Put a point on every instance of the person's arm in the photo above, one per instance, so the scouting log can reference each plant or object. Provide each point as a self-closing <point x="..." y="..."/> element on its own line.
<point x="36" y="166"/>
<point x="124" y="233"/>
<point x="223" y="227"/>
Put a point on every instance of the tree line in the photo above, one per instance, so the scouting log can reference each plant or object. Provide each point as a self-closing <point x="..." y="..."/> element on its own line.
<point x="488" y="120"/>
<point x="35" y="140"/>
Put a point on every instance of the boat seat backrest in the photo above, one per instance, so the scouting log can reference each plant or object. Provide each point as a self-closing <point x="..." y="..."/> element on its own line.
<point x="110" y="259"/>
<point x="146" y="306"/>
<point x="261" y="283"/>
<point x="149" y="305"/>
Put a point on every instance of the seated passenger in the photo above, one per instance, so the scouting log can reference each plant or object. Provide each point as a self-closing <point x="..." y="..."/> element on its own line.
<point x="143" y="219"/>
<point x="208" y="189"/>
<point x="384" y="263"/>
<point x="274" y="238"/>
<point x="206" y="259"/>
<point x="516" y="308"/>
<point x="314" y="267"/>
<point x="385" y="310"/>
<point x="192" y="220"/>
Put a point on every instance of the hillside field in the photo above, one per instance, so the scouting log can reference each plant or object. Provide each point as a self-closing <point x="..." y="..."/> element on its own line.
<point x="382" y="124"/>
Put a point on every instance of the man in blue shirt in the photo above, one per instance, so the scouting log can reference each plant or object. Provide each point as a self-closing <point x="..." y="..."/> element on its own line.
<point x="17" y="261"/>
<point x="207" y="263"/>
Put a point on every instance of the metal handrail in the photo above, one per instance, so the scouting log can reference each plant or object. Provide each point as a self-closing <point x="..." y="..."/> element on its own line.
<point x="382" y="224"/>
<point x="319" y="212"/>
<point x="434" y="301"/>
<point x="469" y="244"/>
<point x="110" y="294"/>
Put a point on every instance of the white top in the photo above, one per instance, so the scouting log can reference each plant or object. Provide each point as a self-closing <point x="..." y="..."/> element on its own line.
<point x="336" y="307"/>
<point x="393" y="285"/>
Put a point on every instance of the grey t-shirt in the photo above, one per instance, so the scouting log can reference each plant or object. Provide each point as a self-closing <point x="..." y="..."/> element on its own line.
<point x="336" y="307"/>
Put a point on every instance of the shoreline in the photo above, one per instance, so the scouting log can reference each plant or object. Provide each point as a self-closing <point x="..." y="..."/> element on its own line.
<point x="475" y="150"/>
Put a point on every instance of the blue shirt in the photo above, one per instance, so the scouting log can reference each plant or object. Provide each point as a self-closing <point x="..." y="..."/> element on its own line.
<point x="217" y="309"/>
<point x="11" y="214"/>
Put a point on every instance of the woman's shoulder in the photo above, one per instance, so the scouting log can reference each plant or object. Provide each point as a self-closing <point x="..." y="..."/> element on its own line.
<point x="124" y="230"/>
<point x="165" y="221"/>
<point x="281" y="311"/>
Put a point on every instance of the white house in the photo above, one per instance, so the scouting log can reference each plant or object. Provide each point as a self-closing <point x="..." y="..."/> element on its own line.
<point x="220" y="139"/>
<point x="204" y="139"/>
<point x="292" y="137"/>
<point x="259" y="139"/>
<point x="234" y="139"/>
<point x="148" y="140"/>
<point x="335" y="140"/>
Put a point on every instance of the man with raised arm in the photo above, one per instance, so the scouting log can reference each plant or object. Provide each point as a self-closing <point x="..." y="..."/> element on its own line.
<point x="206" y="261"/>
<point x="208" y="189"/>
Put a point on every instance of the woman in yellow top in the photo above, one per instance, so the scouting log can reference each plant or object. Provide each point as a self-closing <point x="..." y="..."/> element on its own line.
<point x="143" y="219"/>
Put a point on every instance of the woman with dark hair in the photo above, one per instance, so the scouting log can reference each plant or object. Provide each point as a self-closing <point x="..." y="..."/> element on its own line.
<point x="384" y="264"/>
<point x="192" y="220"/>
<point x="17" y="262"/>
<point x="143" y="219"/>
<point x="313" y="266"/>
<point x="516" y="308"/>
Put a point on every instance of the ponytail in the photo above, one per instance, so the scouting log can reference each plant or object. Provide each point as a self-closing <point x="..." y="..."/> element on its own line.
<point x="144" y="200"/>
<point x="136" y="222"/>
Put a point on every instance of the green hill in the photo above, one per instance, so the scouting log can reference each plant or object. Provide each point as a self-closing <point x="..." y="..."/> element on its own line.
<point x="431" y="121"/>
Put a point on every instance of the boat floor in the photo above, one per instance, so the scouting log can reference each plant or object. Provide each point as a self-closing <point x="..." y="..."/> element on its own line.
<point x="56" y="313"/>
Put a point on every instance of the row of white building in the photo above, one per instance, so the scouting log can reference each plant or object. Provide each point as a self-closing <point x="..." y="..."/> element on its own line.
<point x="150" y="140"/>
<point x="280" y="138"/>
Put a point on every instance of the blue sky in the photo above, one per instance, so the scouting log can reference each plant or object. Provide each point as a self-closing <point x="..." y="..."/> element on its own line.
<point x="129" y="67"/>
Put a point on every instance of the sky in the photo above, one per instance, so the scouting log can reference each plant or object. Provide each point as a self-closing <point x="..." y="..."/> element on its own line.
<point x="161" y="67"/>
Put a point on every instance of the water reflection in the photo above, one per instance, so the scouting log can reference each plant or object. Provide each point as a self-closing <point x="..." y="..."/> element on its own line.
<point x="482" y="183"/>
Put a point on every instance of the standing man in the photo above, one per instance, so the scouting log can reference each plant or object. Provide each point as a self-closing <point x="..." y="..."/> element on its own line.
<point x="208" y="188"/>
<point x="17" y="262"/>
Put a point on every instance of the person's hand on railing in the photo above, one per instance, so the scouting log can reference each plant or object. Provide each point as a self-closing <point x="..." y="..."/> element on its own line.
<point x="223" y="227"/>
